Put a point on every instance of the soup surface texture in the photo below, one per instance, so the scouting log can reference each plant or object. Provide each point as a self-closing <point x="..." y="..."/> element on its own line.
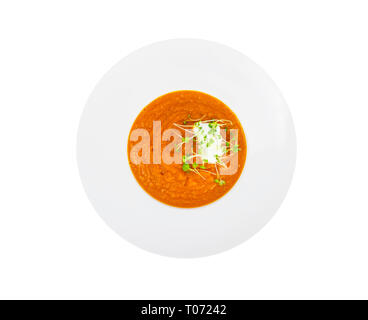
<point x="195" y="174"/>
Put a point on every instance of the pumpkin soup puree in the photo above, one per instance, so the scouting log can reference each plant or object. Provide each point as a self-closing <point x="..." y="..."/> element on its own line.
<point x="186" y="149"/>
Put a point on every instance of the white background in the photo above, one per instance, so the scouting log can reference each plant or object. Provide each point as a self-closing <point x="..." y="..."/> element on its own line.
<point x="53" y="244"/>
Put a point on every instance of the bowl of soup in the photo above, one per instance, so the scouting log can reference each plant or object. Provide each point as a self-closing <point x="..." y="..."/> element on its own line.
<point x="186" y="148"/>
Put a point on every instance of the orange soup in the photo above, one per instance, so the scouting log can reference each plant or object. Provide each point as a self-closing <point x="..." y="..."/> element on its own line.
<point x="187" y="149"/>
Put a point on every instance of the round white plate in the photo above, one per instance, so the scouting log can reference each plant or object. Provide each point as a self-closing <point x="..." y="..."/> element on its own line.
<point x="186" y="64"/>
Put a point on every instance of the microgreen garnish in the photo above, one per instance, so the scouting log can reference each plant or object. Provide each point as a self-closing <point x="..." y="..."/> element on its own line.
<point x="220" y="182"/>
<point x="211" y="146"/>
<point x="185" y="167"/>
<point x="212" y="124"/>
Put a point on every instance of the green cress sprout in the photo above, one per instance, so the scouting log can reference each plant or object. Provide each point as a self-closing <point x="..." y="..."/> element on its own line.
<point x="210" y="145"/>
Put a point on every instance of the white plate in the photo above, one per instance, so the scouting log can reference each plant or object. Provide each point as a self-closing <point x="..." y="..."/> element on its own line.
<point x="194" y="65"/>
